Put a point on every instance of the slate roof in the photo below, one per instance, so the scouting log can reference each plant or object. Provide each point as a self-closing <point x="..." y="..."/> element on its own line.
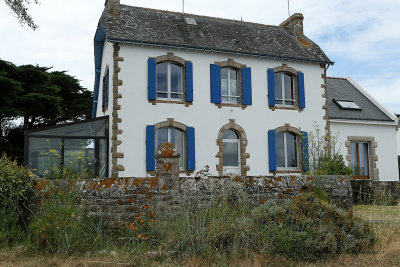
<point x="158" y="27"/>
<point x="342" y="89"/>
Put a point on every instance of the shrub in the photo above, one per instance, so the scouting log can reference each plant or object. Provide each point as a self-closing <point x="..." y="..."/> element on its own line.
<point x="304" y="228"/>
<point x="324" y="156"/>
<point x="16" y="191"/>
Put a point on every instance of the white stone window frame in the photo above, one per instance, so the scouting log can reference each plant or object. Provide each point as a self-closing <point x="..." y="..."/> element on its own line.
<point x="169" y="87"/>
<point x="232" y="99"/>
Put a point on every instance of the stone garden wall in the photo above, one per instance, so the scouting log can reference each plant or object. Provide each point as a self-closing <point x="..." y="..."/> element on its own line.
<point x="119" y="200"/>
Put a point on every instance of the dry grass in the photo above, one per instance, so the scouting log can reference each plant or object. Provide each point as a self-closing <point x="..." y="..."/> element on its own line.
<point x="385" y="222"/>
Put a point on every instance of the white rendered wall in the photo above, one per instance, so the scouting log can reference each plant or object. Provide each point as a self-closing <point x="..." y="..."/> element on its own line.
<point x="207" y="119"/>
<point x="107" y="61"/>
<point x="385" y="136"/>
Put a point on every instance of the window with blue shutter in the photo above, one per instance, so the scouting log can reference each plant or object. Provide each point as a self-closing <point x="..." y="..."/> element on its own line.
<point x="271" y="87"/>
<point x="104" y="104"/>
<point x="189" y="81"/>
<point x="151" y="73"/>
<point x="304" y="151"/>
<point x="272" y="150"/>
<point x="300" y="82"/>
<point x="191" y="160"/>
<point x="246" y="86"/>
<point x="150" y="148"/>
<point x="215" y="83"/>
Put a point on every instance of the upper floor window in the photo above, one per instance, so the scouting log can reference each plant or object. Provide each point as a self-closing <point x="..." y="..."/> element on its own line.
<point x="284" y="89"/>
<point x="229" y="86"/>
<point x="169" y="81"/>
<point x="105" y="90"/>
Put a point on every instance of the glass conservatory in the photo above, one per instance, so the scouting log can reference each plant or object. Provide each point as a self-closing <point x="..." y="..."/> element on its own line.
<point x="73" y="146"/>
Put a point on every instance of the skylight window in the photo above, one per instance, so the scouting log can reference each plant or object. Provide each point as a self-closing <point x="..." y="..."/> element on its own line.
<point x="346" y="104"/>
<point x="190" y="21"/>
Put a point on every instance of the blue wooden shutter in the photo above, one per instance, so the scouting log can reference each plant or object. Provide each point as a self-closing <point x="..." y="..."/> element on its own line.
<point x="246" y="86"/>
<point x="271" y="87"/>
<point x="191" y="152"/>
<point x="304" y="151"/>
<point x="189" y="81"/>
<point x="151" y="74"/>
<point x="150" y="147"/>
<point x="302" y="96"/>
<point x="272" y="150"/>
<point x="215" y="83"/>
<point x="103" y="102"/>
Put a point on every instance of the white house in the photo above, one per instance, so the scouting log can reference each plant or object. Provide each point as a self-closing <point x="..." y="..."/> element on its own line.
<point x="229" y="94"/>
<point x="366" y="130"/>
<point x="237" y="96"/>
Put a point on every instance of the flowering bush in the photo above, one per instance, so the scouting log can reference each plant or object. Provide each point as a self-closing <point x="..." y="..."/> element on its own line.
<point x="16" y="191"/>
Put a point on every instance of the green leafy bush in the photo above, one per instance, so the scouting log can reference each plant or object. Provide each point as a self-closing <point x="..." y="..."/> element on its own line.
<point x="16" y="191"/>
<point x="304" y="228"/>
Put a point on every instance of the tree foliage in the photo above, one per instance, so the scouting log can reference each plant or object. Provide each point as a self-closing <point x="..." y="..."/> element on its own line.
<point x="37" y="97"/>
<point x="18" y="7"/>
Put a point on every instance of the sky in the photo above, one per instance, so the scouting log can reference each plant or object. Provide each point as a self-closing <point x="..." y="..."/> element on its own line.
<point x="361" y="37"/>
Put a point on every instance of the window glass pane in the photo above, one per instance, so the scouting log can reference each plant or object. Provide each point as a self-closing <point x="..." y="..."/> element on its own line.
<point x="79" y="156"/>
<point x="103" y="158"/>
<point x="176" y="78"/>
<point x="230" y="153"/>
<point x="288" y="86"/>
<point x="233" y="83"/>
<point x="278" y="87"/>
<point x="224" y="81"/>
<point x="291" y="150"/>
<point x="162" y="137"/>
<point x="162" y="95"/>
<point x="162" y="77"/>
<point x="363" y="149"/>
<point x="230" y="134"/>
<point x="280" y="150"/>
<point x="177" y="96"/>
<point x="44" y="154"/>
<point x="354" y="158"/>
<point x="177" y="140"/>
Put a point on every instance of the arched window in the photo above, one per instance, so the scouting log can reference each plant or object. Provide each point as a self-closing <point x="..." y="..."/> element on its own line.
<point x="231" y="152"/>
<point x="174" y="136"/>
<point x="169" y="81"/>
<point x="229" y="86"/>
<point x="284" y="89"/>
<point x="286" y="150"/>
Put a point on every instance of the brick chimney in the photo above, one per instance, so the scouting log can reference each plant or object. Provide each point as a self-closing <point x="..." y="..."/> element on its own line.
<point x="295" y="24"/>
<point x="113" y="7"/>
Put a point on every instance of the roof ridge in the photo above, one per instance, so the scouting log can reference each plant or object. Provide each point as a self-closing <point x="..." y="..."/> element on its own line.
<point x="203" y="16"/>
<point x="338" y="78"/>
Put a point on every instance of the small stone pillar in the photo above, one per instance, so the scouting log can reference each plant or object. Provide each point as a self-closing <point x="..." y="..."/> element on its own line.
<point x="167" y="167"/>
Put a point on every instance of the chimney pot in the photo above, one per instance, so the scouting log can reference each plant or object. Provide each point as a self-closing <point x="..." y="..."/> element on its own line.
<point x="113" y="7"/>
<point x="295" y="24"/>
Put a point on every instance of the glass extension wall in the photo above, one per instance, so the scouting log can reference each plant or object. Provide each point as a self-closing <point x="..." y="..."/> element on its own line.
<point x="79" y="146"/>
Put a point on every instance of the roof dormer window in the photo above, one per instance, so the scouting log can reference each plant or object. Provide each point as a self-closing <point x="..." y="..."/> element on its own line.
<point x="347" y="104"/>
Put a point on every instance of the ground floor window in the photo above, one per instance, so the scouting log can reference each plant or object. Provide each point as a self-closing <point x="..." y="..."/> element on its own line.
<point x="231" y="152"/>
<point x="360" y="160"/>
<point x="286" y="150"/>
<point x="174" y="136"/>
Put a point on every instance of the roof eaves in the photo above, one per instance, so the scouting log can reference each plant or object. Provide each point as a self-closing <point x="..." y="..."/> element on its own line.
<point x="213" y="50"/>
